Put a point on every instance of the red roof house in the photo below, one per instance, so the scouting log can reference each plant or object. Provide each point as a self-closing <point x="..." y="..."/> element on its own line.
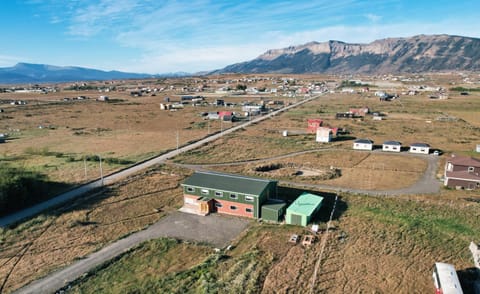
<point x="313" y="125"/>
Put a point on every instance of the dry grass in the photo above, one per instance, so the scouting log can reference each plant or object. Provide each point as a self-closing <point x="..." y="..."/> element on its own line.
<point x="359" y="170"/>
<point x="56" y="239"/>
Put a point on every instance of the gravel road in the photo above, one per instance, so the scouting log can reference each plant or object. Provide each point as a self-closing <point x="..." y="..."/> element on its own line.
<point x="213" y="229"/>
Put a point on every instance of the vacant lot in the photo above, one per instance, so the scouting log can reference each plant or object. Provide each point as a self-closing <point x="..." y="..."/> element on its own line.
<point x="55" y="137"/>
<point x="55" y="239"/>
<point x="351" y="169"/>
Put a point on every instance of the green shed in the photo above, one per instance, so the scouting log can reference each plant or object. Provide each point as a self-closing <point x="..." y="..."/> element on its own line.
<point x="273" y="210"/>
<point x="301" y="210"/>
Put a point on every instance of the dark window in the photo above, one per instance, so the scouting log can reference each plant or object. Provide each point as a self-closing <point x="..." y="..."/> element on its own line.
<point x="233" y="207"/>
<point x="218" y="194"/>
<point x="218" y="204"/>
<point x="190" y="189"/>
<point x="249" y="210"/>
<point x="233" y="196"/>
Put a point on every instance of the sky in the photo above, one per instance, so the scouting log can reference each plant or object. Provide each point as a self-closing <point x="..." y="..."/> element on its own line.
<point x="162" y="36"/>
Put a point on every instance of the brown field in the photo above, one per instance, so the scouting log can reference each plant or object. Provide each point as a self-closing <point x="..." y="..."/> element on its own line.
<point x="359" y="170"/>
<point x="55" y="239"/>
<point x="379" y="245"/>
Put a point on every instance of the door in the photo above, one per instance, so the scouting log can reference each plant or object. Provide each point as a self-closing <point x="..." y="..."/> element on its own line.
<point x="296" y="219"/>
<point x="204" y="207"/>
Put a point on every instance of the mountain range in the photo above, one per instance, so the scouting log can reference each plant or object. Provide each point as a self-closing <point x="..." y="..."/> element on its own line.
<point x="423" y="53"/>
<point x="41" y="73"/>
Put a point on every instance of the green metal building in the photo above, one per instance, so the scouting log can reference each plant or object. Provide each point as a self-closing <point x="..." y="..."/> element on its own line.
<point x="302" y="209"/>
<point x="206" y="192"/>
<point x="273" y="210"/>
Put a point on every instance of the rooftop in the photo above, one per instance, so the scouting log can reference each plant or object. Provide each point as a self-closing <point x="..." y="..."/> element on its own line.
<point x="306" y="203"/>
<point x="396" y="143"/>
<point x="463" y="160"/>
<point x="363" y="141"/>
<point x="228" y="182"/>
<point x="420" y="145"/>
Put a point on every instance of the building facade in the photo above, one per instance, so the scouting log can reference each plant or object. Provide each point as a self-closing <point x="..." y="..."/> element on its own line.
<point x="313" y="124"/>
<point x="462" y="173"/>
<point x="392" y="146"/>
<point x="363" y="144"/>
<point x="207" y="192"/>
<point x="420" y="148"/>
<point x="324" y="135"/>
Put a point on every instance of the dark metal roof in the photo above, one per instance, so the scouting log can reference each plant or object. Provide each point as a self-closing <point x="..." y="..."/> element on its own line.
<point x="363" y="141"/>
<point x="396" y="143"/>
<point x="274" y="205"/>
<point x="228" y="182"/>
<point x="425" y="145"/>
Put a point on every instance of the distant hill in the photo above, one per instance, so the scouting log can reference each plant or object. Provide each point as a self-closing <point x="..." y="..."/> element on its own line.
<point x="423" y="53"/>
<point x="40" y="73"/>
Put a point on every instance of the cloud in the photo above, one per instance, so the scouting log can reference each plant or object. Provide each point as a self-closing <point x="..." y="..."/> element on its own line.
<point x="373" y="17"/>
<point x="7" y="60"/>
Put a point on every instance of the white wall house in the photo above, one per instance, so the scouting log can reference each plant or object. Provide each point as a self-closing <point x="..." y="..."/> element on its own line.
<point x="363" y="144"/>
<point x="392" y="146"/>
<point x="420" y="148"/>
<point x="324" y="135"/>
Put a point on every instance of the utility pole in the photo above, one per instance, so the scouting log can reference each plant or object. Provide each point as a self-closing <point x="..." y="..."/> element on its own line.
<point x="85" y="166"/>
<point x="101" y="169"/>
<point x="177" y="140"/>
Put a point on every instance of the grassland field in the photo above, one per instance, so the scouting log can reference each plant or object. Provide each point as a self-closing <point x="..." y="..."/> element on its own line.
<point x="378" y="245"/>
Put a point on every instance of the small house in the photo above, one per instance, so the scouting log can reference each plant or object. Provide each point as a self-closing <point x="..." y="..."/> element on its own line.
<point x="324" y="135"/>
<point x="363" y="144"/>
<point x="420" y="148"/>
<point x="392" y="146"/>
<point x="300" y="212"/>
<point x="313" y="124"/>
<point x="357" y="112"/>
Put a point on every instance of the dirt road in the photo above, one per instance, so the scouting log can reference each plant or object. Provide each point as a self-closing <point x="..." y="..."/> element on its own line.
<point x="112" y="178"/>
<point x="427" y="184"/>
<point x="213" y="229"/>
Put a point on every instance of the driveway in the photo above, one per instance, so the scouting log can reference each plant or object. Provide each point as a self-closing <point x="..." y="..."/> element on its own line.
<point x="213" y="229"/>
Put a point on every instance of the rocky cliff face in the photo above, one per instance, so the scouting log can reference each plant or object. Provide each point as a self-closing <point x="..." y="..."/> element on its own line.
<point x="393" y="55"/>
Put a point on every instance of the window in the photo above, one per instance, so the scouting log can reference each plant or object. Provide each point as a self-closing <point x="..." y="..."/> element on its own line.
<point x="233" y="196"/>
<point x="249" y="198"/>
<point x="218" y="204"/>
<point x="249" y="210"/>
<point x="205" y="192"/>
<point x="190" y="189"/>
<point x="232" y="207"/>
<point x="471" y="169"/>
<point x="218" y="194"/>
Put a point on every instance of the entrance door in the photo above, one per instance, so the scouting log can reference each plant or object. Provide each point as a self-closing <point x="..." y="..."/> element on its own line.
<point x="204" y="207"/>
<point x="296" y="219"/>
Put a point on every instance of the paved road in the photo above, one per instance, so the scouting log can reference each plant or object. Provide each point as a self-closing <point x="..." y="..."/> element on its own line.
<point x="427" y="184"/>
<point x="213" y="229"/>
<point x="77" y="192"/>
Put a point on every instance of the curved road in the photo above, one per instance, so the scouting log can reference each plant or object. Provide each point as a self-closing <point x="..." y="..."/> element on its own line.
<point x="427" y="184"/>
<point x="77" y="192"/>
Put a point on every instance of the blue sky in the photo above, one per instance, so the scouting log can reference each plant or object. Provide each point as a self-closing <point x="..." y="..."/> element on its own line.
<point x="157" y="36"/>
